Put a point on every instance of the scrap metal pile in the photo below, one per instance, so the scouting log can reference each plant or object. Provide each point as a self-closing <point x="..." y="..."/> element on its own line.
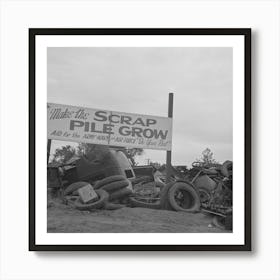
<point x="214" y="185"/>
<point x="202" y="188"/>
<point x="116" y="191"/>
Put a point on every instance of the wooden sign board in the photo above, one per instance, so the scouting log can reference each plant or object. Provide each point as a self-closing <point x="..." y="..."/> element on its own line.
<point x="87" y="125"/>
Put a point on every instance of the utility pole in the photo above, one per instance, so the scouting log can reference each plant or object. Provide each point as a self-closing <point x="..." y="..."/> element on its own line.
<point x="48" y="149"/>
<point x="168" y="153"/>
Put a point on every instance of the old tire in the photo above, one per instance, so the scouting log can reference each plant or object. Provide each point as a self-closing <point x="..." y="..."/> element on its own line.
<point x="70" y="200"/>
<point x="183" y="197"/>
<point x="120" y="194"/>
<point x="164" y="201"/>
<point x="109" y="180"/>
<point x="74" y="187"/>
<point x="103" y="198"/>
<point x="115" y="186"/>
<point x="113" y="206"/>
<point x="136" y="203"/>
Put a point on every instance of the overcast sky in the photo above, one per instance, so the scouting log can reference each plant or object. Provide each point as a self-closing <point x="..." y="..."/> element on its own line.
<point x="138" y="80"/>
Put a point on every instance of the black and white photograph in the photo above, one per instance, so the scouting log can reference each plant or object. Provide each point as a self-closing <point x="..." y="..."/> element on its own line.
<point x="139" y="140"/>
<point x="146" y="134"/>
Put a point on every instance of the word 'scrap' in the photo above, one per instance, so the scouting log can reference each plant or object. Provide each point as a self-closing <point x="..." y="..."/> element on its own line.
<point x="138" y="127"/>
<point x="102" y="116"/>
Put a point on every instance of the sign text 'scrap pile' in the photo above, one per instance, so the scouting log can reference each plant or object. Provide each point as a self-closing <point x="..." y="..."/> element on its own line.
<point x="81" y="124"/>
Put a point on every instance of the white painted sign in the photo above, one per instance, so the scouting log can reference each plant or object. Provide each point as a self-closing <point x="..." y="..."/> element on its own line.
<point x="87" y="193"/>
<point x="79" y="124"/>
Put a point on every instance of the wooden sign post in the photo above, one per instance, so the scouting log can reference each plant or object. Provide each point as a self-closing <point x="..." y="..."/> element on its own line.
<point x="168" y="153"/>
<point x="48" y="149"/>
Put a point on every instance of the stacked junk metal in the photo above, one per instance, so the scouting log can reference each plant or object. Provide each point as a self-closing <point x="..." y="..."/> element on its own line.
<point x="108" y="181"/>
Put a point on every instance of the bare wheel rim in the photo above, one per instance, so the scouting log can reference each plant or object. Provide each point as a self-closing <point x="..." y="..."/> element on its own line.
<point x="184" y="199"/>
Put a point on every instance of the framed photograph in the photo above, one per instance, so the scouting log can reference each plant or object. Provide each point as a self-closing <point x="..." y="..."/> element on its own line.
<point x="140" y="139"/>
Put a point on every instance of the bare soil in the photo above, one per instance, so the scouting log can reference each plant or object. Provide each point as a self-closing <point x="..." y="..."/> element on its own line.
<point x="64" y="218"/>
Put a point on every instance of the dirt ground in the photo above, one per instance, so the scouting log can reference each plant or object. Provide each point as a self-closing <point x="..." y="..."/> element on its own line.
<point x="64" y="218"/>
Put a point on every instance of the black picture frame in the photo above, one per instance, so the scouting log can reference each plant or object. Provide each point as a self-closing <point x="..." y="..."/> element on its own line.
<point x="246" y="32"/>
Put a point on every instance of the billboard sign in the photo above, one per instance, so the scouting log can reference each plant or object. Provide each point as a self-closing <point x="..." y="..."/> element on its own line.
<point x="80" y="124"/>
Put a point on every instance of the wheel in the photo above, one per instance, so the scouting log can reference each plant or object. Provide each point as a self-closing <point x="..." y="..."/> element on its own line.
<point x="136" y="203"/>
<point x="114" y="186"/>
<point x="103" y="198"/>
<point x="109" y="180"/>
<point x="120" y="194"/>
<point x="164" y="201"/>
<point x="219" y="222"/>
<point x="204" y="195"/>
<point x="74" y="187"/>
<point x="183" y="197"/>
